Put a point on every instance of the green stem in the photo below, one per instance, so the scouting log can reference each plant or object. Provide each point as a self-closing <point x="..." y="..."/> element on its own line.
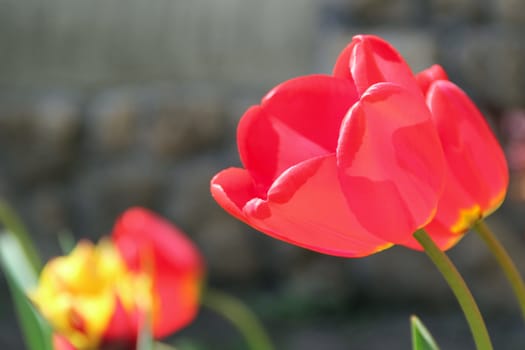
<point x="240" y="316"/>
<point x="504" y="260"/>
<point x="459" y="288"/>
<point x="14" y="225"/>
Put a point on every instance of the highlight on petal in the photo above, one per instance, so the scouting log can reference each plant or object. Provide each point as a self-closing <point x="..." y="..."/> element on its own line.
<point x="390" y="162"/>
<point x="306" y="207"/>
<point x="297" y="120"/>
<point x="232" y="188"/>
<point x="151" y="244"/>
<point x="475" y="159"/>
<point x="373" y="60"/>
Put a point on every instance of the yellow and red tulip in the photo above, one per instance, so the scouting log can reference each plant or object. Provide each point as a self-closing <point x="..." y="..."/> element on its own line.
<point x="99" y="296"/>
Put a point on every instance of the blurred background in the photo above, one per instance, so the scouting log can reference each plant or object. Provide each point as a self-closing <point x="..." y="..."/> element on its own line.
<point x="105" y="104"/>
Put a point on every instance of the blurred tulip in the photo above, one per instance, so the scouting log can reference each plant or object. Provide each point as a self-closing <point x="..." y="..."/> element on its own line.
<point x="99" y="296"/>
<point x="346" y="165"/>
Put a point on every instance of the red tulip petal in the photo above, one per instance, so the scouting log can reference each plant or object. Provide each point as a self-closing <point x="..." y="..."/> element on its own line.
<point x="391" y="163"/>
<point x="122" y="327"/>
<point x="232" y="188"/>
<point x="428" y="76"/>
<point x="454" y="217"/>
<point x="342" y="64"/>
<point x="453" y="200"/>
<point x="441" y="236"/>
<point x="475" y="159"/>
<point x="306" y="207"/>
<point x="373" y="60"/>
<point x="297" y="120"/>
<point x="144" y="238"/>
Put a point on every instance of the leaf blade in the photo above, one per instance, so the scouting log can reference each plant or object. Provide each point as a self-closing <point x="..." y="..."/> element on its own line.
<point x="20" y="277"/>
<point x="421" y="337"/>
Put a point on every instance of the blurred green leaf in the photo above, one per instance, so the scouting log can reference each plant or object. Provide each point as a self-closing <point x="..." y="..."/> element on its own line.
<point x="244" y="320"/>
<point x="145" y="341"/>
<point x="164" y="346"/>
<point x="66" y="241"/>
<point x="421" y="337"/>
<point x="21" y="277"/>
<point x="14" y="225"/>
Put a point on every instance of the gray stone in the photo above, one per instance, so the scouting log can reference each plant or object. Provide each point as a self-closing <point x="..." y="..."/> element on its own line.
<point x="184" y="121"/>
<point x="312" y="279"/>
<point x="511" y="11"/>
<point x="315" y="338"/>
<point x="111" y="121"/>
<point x="58" y="119"/>
<point x="487" y="63"/>
<point x="188" y="198"/>
<point x="103" y="192"/>
<point x="398" y="275"/>
<point x="38" y="138"/>
<point x="48" y="211"/>
<point x="230" y="253"/>
<point x="378" y="12"/>
<point x="455" y="11"/>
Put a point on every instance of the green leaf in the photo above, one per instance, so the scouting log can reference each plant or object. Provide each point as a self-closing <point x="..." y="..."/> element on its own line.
<point x="421" y="337"/>
<point x="66" y="241"/>
<point x="21" y="277"/>
<point x="14" y="225"/>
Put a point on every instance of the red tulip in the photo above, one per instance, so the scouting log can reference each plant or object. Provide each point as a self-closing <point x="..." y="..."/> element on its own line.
<point x="345" y="165"/>
<point x="100" y="296"/>
<point x="477" y="173"/>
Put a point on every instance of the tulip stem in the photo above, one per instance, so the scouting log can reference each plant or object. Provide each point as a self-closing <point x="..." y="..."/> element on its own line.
<point x="504" y="260"/>
<point x="240" y="316"/>
<point x="459" y="288"/>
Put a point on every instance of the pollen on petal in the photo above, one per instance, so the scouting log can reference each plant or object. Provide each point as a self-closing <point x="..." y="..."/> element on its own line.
<point x="467" y="217"/>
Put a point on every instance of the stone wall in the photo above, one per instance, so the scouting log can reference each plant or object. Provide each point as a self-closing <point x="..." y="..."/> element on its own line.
<point x="110" y="42"/>
<point x="108" y="104"/>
